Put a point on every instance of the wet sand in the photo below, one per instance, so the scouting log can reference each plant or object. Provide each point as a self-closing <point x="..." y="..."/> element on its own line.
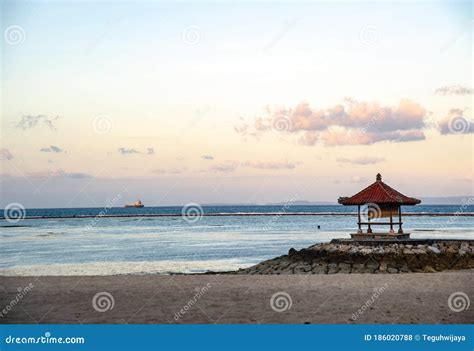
<point x="333" y="298"/>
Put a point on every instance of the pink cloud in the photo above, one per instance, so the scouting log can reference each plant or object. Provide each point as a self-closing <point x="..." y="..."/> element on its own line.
<point x="270" y="165"/>
<point x="349" y="123"/>
<point x="455" y="123"/>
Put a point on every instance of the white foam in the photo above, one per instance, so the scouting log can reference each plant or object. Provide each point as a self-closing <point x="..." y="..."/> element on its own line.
<point x="113" y="268"/>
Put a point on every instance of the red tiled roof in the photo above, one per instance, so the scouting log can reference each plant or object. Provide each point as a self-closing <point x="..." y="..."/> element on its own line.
<point x="378" y="193"/>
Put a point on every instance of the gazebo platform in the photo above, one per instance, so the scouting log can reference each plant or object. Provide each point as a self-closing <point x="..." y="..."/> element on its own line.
<point x="381" y="236"/>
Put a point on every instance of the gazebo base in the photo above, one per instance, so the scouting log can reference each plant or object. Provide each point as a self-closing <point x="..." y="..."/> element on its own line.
<point x="381" y="236"/>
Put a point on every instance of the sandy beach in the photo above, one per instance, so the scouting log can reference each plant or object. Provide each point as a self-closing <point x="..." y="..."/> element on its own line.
<point x="337" y="298"/>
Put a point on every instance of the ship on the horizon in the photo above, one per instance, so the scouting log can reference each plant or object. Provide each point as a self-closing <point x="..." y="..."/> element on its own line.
<point x="137" y="204"/>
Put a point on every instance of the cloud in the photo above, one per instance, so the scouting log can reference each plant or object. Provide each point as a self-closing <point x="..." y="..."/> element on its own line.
<point x="231" y="166"/>
<point x="129" y="151"/>
<point x="270" y="165"/>
<point x="337" y="137"/>
<point x="30" y="121"/>
<point x="309" y="139"/>
<point x="52" y="148"/>
<point x="363" y="122"/>
<point x="125" y="151"/>
<point x="207" y="157"/>
<point x="224" y="167"/>
<point x="59" y="173"/>
<point x="76" y="175"/>
<point x="455" y="123"/>
<point x="5" y="155"/>
<point x="362" y="160"/>
<point x="170" y="170"/>
<point x="454" y="90"/>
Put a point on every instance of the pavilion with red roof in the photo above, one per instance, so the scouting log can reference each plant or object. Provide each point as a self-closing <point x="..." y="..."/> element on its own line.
<point x="379" y="201"/>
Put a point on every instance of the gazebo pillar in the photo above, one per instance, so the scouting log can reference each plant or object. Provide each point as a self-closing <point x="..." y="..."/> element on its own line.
<point x="359" y="219"/>
<point x="369" y="229"/>
<point x="400" y="230"/>
<point x="391" y="222"/>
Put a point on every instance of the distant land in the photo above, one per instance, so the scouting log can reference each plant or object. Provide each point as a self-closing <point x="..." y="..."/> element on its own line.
<point x="440" y="200"/>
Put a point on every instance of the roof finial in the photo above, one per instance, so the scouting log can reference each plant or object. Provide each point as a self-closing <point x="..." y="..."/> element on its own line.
<point x="378" y="178"/>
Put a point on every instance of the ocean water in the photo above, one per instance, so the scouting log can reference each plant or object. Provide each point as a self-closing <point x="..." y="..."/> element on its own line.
<point x="57" y="243"/>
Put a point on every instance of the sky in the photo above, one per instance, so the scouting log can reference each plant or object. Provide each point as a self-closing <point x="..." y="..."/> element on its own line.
<point x="233" y="102"/>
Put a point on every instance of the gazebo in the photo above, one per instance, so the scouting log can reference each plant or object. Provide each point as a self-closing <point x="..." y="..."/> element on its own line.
<point x="379" y="201"/>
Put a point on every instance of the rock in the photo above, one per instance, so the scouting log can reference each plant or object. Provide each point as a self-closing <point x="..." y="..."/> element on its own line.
<point x="405" y="268"/>
<point x="451" y="250"/>
<point x="319" y="268"/>
<point x="332" y="268"/>
<point x="358" y="268"/>
<point x="429" y="269"/>
<point x="302" y="269"/>
<point x="372" y="265"/>
<point x="346" y="257"/>
<point x="344" y="267"/>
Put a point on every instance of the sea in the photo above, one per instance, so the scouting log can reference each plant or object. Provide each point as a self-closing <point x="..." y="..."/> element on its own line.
<point x="107" y="241"/>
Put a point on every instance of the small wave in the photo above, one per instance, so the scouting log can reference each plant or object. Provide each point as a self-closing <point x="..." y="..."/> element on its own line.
<point x="115" y="268"/>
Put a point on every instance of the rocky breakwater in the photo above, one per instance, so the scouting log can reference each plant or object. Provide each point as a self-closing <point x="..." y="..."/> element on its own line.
<point x="356" y="257"/>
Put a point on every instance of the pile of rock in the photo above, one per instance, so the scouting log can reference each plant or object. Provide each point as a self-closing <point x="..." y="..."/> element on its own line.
<point x="397" y="257"/>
